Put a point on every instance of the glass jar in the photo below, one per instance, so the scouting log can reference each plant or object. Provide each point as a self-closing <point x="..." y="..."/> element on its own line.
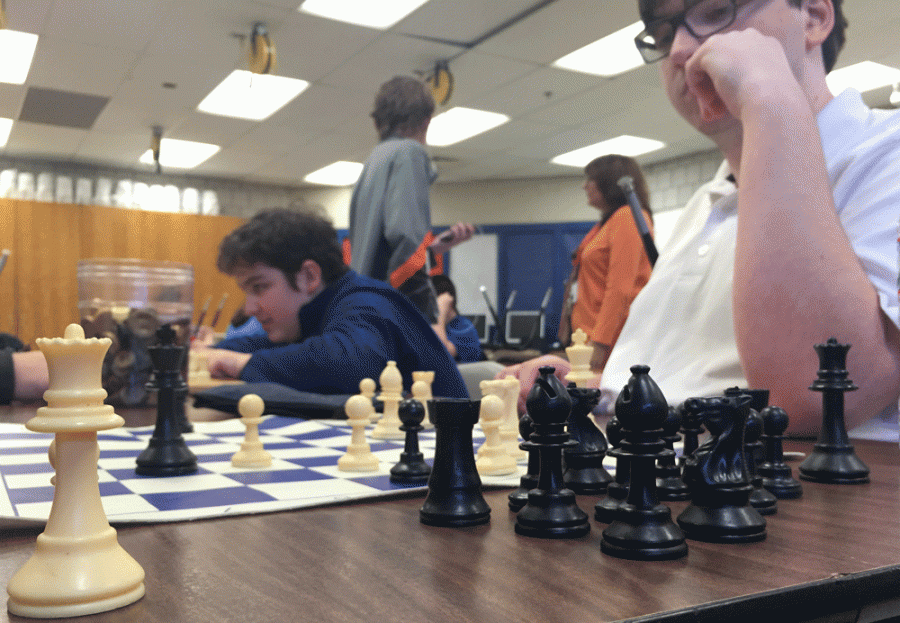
<point x="127" y="300"/>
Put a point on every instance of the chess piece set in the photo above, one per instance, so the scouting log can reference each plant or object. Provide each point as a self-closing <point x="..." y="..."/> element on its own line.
<point x="403" y="418"/>
<point x="79" y="568"/>
<point x="732" y="480"/>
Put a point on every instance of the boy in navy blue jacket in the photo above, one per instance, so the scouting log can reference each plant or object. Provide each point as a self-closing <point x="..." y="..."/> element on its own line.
<point x="326" y="327"/>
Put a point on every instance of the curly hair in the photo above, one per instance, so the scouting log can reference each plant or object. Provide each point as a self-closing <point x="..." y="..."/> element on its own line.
<point x="283" y="239"/>
<point x="402" y="105"/>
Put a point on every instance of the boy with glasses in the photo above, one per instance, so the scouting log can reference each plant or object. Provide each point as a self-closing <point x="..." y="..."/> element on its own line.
<point x="794" y="240"/>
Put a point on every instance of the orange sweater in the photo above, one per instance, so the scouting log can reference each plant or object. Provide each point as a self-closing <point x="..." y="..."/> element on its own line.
<point x="613" y="269"/>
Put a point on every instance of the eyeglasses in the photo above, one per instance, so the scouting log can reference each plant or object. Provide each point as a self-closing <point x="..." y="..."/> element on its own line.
<point x="701" y="19"/>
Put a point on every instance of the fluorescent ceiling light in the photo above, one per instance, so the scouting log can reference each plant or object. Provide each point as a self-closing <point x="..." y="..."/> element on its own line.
<point x="340" y="173"/>
<point x="17" y="51"/>
<point x="458" y="124"/>
<point x="372" y="13"/>
<point x="612" y="55"/>
<point x="5" y="128"/>
<point x="181" y="154"/>
<point x="624" y="145"/>
<point x="863" y="76"/>
<point x="246" y="95"/>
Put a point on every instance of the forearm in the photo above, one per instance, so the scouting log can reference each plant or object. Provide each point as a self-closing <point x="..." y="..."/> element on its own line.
<point x="31" y="376"/>
<point x="441" y="330"/>
<point x="797" y="279"/>
<point x="599" y="357"/>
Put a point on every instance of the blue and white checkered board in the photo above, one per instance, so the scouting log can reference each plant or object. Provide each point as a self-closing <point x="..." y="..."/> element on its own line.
<point x="303" y="474"/>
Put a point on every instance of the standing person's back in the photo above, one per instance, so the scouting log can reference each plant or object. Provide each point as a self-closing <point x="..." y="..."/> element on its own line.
<point x="390" y="213"/>
<point x="390" y="218"/>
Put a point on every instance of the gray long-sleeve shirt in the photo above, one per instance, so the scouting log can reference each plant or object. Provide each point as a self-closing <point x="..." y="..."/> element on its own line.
<point x="390" y="217"/>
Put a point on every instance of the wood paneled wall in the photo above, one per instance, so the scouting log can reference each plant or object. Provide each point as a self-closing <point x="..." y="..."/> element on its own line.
<point x="39" y="287"/>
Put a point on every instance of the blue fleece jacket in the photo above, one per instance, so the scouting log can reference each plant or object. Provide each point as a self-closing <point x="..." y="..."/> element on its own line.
<point x="349" y="332"/>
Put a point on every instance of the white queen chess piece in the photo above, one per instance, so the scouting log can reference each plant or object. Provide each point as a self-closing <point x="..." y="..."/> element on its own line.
<point x="78" y="567"/>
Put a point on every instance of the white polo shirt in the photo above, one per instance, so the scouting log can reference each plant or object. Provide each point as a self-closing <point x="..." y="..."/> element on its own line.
<point x="681" y="322"/>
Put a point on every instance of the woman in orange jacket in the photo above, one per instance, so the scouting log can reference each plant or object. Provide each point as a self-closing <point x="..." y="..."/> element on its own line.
<point x="610" y="266"/>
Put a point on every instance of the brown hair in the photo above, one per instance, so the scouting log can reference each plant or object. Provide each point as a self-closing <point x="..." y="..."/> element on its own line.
<point x="284" y="239"/>
<point x="402" y="105"/>
<point x="606" y="171"/>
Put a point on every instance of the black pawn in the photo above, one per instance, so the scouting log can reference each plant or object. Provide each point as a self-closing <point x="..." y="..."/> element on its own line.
<point x="551" y="511"/>
<point x="167" y="454"/>
<point x="720" y="510"/>
<point x="669" y="485"/>
<point x="691" y="429"/>
<point x="529" y="480"/>
<point x="585" y="473"/>
<point x="606" y="508"/>
<point x="643" y="528"/>
<point x="776" y="473"/>
<point x="454" y="487"/>
<point x="412" y="468"/>
<point x="760" y="498"/>
<point x="833" y="459"/>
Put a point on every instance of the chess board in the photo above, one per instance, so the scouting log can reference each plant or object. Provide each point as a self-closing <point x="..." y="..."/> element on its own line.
<point x="303" y="474"/>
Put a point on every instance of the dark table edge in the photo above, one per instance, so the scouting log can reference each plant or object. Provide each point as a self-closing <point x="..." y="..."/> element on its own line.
<point x="841" y="593"/>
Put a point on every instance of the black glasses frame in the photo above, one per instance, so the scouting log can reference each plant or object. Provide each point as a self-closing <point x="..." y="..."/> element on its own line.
<point x="651" y="52"/>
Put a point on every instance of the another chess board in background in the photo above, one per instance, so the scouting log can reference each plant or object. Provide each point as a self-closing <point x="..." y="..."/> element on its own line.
<point x="303" y="474"/>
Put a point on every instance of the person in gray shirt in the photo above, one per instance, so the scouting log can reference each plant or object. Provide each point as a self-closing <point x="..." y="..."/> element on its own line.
<point x="390" y="212"/>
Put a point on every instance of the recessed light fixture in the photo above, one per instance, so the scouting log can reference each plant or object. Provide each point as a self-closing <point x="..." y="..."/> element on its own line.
<point x="379" y="14"/>
<point x="246" y="95"/>
<point x="5" y="128"/>
<point x="181" y="154"/>
<point x="340" y="173"/>
<point x="458" y="124"/>
<point x="17" y="52"/>
<point x="624" y="145"/>
<point x="863" y="76"/>
<point x="612" y="55"/>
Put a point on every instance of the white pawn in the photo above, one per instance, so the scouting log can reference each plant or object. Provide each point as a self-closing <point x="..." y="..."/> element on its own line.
<point x="198" y="367"/>
<point x="491" y="388"/>
<point x="388" y="427"/>
<point x="426" y="377"/>
<point x="251" y="454"/>
<point x="421" y="391"/>
<point x="367" y="389"/>
<point x="359" y="457"/>
<point x="579" y="354"/>
<point x="493" y="459"/>
<point x="509" y="423"/>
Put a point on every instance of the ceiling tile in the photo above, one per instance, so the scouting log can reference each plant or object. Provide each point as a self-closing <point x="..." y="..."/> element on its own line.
<point x="106" y="23"/>
<point x="27" y="15"/>
<point x="79" y="67"/>
<point x="42" y="139"/>
<point x="461" y="20"/>
<point x="11" y="98"/>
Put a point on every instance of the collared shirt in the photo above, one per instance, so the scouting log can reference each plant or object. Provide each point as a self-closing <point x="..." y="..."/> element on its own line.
<point x="681" y="323"/>
<point x="350" y="331"/>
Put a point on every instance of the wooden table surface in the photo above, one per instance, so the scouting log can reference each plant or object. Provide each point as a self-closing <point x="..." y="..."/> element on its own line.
<point x="835" y="550"/>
